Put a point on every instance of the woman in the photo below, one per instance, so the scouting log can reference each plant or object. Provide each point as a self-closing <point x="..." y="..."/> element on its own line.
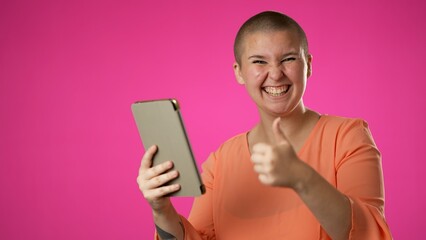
<point x="296" y="175"/>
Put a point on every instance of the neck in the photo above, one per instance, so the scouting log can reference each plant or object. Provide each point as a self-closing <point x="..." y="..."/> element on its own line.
<point x="292" y="124"/>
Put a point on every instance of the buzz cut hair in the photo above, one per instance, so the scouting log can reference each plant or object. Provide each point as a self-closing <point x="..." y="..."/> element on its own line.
<point x="267" y="21"/>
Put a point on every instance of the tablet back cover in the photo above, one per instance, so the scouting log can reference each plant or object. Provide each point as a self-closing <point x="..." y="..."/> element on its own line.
<point x="159" y="123"/>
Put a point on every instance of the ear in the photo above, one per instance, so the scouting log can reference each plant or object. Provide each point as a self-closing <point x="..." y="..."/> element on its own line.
<point x="309" y="63"/>
<point x="237" y="72"/>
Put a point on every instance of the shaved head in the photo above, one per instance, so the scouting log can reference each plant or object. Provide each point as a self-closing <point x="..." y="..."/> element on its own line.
<point x="264" y="22"/>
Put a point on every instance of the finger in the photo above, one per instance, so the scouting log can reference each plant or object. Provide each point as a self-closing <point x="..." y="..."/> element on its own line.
<point x="157" y="170"/>
<point x="262" y="151"/>
<point x="161" y="191"/>
<point x="257" y="158"/>
<point x="265" y="179"/>
<point x="162" y="179"/>
<point x="259" y="168"/>
<point x="147" y="157"/>
<point x="260" y="148"/>
<point x="278" y="133"/>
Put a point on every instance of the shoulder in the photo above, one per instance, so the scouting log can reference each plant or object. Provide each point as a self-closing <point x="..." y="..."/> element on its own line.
<point x="340" y="127"/>
<point x="344" y="133"/>
<point x="236" y="142"/>
<point x="233" y="148"/>
<point x="351" y="136"/>
<point x="343" y="122"/>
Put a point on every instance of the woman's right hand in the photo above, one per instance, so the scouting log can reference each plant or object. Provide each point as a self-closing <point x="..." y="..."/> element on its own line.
<point x="151" y="180"/>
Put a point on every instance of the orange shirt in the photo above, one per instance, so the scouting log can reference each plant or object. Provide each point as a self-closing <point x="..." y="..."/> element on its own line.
<point x="237" y="206"/>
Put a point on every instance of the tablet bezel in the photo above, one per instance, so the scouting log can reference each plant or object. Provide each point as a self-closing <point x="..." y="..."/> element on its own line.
<point x="160" y="123"/>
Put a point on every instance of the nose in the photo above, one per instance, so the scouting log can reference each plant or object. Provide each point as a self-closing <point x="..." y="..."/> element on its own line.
<point x="276" y="72"/>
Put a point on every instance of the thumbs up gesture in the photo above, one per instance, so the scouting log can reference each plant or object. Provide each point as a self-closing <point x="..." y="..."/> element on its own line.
<point x="276" y="164"/>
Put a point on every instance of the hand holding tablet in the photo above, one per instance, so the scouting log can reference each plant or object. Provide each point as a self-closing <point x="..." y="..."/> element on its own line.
<point x="159" y="123"/>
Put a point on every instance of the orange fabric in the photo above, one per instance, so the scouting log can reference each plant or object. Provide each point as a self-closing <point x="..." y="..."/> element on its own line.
<point x="237" y="206"/>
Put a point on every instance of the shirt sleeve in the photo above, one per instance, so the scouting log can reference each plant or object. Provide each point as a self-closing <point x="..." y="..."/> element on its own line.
<point x="199" y="225"/>
<point x="360" y="178"/>
<point x="201" y="215"/>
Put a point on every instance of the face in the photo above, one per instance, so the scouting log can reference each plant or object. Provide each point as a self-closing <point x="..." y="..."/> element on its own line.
<point x="274" y="69"/>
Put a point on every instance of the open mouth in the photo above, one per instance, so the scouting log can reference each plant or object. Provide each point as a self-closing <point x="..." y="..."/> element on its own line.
<point x="277" y="91"/>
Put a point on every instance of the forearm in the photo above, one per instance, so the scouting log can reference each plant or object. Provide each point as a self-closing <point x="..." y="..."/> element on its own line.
<point x="168" y="224"/>
<point x="329" y="206"/>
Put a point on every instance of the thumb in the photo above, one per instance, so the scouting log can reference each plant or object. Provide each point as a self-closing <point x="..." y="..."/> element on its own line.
<point x="279" y="135"/>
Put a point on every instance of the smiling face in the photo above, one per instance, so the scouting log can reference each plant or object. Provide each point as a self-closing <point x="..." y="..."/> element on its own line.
<point x="274" y="68"/>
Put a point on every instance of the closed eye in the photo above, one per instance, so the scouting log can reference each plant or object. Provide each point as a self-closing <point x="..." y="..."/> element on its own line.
<point x="290" y="59"/>
<point x="259" y="62"/>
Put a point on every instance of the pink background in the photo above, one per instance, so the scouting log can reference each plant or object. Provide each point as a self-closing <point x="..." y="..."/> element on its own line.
<point x="69" y="70"/>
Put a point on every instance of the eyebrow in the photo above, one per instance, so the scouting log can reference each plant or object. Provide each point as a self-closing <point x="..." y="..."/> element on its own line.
<point x="256" y="56"/>
<point x="284" y="56"/>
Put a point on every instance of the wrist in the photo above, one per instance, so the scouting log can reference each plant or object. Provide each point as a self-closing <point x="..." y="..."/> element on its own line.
<point x="306" y="174"/>
<point x="165" y="209"/>
<point x="168" y="222"/>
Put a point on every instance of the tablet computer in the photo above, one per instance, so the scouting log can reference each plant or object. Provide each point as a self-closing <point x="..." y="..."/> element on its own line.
<point x="160" y="123"/>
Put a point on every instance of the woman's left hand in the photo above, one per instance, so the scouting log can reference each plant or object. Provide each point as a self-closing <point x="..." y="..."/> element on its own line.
<point x="277" y="164"/>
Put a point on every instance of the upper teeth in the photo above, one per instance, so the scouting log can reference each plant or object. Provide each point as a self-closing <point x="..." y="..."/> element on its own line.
<point x="276" y="91"/>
